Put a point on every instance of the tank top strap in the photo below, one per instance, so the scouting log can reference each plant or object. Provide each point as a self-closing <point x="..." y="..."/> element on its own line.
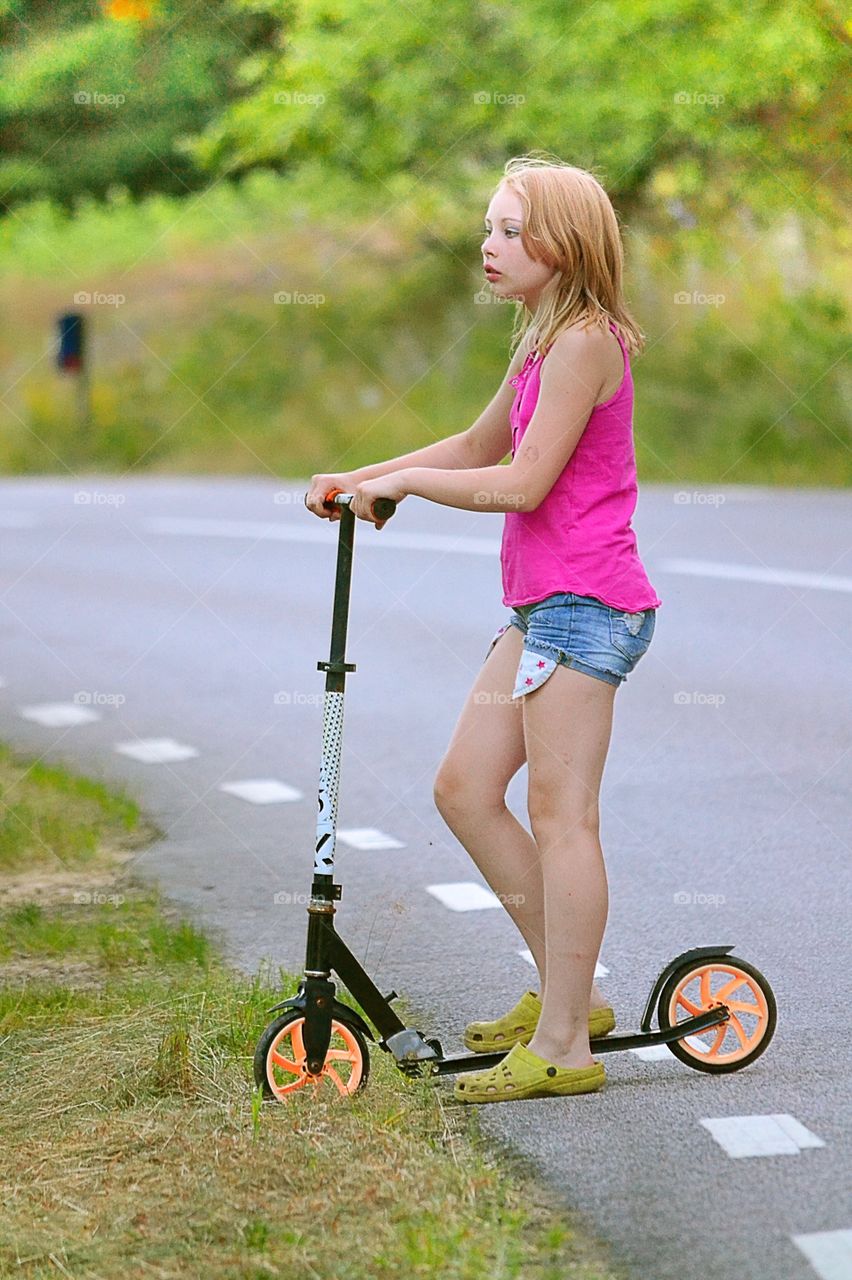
<point x="621" y="341"/>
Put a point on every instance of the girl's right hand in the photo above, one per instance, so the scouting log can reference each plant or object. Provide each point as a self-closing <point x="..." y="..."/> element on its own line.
<point x="323" y="484"/>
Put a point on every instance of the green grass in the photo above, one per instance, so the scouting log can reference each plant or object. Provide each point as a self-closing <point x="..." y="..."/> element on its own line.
<point x="133" y="1140"/>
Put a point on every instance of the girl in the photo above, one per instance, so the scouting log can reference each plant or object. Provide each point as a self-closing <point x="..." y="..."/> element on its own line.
<point x="583" y="610"/>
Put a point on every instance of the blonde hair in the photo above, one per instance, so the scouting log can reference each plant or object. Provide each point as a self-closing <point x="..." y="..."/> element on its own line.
<point x="569" y="223"/>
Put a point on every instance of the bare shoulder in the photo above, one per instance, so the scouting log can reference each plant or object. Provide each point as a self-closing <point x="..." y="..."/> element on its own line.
<point x="579" y="351"/>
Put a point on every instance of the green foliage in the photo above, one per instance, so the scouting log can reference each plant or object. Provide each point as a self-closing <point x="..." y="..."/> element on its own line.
<point x="710" y="103"/>
<point x="88" y="102"/>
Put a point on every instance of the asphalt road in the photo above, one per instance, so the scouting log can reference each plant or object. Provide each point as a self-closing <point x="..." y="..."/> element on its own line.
<point x="196" y="610"/>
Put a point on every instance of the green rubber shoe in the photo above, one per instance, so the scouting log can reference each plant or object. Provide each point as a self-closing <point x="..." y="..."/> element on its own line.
<point x="517" y="1026"/>
<point x="523" y="1074"/>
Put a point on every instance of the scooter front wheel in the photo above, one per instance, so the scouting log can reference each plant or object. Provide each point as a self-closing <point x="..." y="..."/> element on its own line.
<point x="715" y="980"/>
<point x="280" y="1061"/>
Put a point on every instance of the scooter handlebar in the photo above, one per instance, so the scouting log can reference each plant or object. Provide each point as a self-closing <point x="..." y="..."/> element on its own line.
<point x="382" y="508"/>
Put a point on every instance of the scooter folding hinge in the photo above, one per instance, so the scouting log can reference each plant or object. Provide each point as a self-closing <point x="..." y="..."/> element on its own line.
<point x="335" y="666"/>
<point x="408" y="1045"/>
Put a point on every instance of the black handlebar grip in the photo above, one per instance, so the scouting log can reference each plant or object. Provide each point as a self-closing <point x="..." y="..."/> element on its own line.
<point x="383" y="508"/>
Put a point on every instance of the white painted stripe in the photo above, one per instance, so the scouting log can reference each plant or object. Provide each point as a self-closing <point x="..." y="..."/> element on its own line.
<point x="156" y="750"/>
<point x="653" y="1052"/>
<point x="262" y="791"/>
<point x="828" y="1252"/>
<point x="464" y="896"/>
<point x="771" y="1135"/>
<point x="751" y="573"/>
<point x="196" y="526"/>
<point x="58" y="714"/>
<point x="600" y="969"/>
<point x="368" y="838"/>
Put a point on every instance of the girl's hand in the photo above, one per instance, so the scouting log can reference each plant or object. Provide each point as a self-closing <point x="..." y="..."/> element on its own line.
<point x="389" y="486"/>
<point x="322" y="484"/>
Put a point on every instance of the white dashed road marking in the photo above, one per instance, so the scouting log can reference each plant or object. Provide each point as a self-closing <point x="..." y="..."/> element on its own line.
<point x="368" y="838"/>
<point x="464" y="896"/>
<point x="773" y="1135"/>
<point x="652" y="1052"/>
<point x="262" y="791"/>
<point x="828" y="1252"/>
<point x="156" y="750"/>
<point x="57" y="715"/>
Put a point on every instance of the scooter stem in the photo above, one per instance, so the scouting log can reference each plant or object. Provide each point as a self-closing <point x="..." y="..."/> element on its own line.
<point x="335" y="669"/>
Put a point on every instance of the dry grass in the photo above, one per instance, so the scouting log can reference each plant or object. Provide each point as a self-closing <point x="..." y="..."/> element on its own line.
<point x="132" y="1140"/>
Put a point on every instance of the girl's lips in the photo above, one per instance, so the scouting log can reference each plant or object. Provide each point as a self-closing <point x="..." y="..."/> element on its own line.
<point x="489" y="271"/>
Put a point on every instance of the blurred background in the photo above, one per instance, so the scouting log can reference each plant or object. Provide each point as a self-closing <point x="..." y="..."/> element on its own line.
<point x="268" y="214"/>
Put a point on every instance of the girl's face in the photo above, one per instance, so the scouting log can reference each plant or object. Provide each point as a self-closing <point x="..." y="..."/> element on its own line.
<point x="519" y="275"/>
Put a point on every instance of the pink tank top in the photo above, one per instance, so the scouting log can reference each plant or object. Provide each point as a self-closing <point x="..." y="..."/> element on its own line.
<point x="579" y="538"/>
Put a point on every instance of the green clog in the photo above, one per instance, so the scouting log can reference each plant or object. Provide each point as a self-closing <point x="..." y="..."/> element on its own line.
<point x="517" y="1026"/>
<point x="523" y="1074"/>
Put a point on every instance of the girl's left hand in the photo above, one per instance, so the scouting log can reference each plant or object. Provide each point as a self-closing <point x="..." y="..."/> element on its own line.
<point x="390" y="486"/>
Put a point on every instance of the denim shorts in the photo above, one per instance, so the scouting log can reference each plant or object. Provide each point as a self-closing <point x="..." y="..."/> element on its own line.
<point x="579" y="632"/>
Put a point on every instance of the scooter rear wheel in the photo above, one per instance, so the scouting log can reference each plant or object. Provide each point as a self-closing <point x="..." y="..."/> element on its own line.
<point x="280" y="1062"/>
<point x="715" y="980"/>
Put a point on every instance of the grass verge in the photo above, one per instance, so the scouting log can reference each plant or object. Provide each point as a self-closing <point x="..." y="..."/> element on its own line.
<point x="132" y="1140"/>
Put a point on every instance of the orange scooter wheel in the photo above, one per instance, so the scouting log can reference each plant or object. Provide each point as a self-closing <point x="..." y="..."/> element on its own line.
<point x="280" y="1063"/>
<point x="717" y="980"/>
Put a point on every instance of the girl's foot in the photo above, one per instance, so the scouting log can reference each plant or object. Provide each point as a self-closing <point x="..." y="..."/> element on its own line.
<point x="573" y="1057"/>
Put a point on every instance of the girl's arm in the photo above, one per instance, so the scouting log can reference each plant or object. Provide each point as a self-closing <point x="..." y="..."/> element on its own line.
<point x="571" y="380"/>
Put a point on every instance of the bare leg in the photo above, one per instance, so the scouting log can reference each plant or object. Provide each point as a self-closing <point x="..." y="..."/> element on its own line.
<point x="567" y="724"/>
<point x="485" y="752"/>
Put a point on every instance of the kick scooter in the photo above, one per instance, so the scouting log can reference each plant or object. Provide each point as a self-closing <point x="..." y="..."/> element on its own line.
<point x="714" y="1012"/>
